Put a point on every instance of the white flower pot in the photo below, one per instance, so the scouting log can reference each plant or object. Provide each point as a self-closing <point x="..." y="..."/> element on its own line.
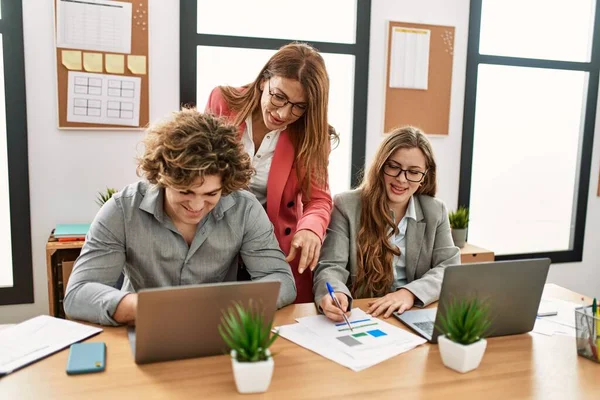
<point x="252" y="377"/>
<point x="460" y="357"/>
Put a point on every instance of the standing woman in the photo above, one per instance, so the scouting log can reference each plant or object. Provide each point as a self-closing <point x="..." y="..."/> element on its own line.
<point x="282" y="120"/>
<point x="391" y="237"/>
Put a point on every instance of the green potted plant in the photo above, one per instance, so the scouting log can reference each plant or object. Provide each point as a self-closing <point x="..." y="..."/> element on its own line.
<point x="249" y="337"/>
<point x="104" y="196"/>
<point x="464" y="323"/>
<point x="459" y="222"/>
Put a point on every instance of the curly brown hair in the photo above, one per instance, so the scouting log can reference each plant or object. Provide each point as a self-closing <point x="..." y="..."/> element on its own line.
<point x="190" y="145"/>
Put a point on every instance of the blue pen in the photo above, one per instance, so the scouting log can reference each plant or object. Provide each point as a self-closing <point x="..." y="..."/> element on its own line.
<point x="337" y="303"/>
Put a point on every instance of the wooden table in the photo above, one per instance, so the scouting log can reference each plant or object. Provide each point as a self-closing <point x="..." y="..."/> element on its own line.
<point x="528" y="366"/>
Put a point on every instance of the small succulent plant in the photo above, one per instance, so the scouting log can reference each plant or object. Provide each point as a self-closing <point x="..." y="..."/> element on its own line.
<point x="459" y="219"/>
<point x="465" y="321"/>
<point x="244" y="330"/>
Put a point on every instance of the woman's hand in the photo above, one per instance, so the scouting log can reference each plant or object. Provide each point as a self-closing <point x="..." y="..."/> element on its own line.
<point x="332" y="311"/>
<point x="401" y="300"/>
<point x="311" y="249"/>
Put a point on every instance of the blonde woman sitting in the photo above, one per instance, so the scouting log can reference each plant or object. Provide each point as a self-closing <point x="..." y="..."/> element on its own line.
<point x="390" y="238"/>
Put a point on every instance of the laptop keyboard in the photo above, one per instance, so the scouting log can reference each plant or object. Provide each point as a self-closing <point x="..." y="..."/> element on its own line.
<point x="425" y="326"/>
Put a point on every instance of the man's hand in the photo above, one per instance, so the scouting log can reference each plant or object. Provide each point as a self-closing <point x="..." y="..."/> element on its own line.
<point x="126" y="309"/>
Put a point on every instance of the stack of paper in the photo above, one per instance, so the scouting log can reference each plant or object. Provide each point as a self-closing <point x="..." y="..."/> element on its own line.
<point x="36" y="338"/>
<point x="563" y="323"/>
<point x="370" y="341"/>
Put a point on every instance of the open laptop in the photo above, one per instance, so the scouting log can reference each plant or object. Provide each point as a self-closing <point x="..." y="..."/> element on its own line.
<point x="182" y="322"/>
<point x="512" y="288"/>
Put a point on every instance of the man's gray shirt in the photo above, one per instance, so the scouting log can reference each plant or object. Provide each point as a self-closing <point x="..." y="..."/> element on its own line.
<point x="132" y="234"/>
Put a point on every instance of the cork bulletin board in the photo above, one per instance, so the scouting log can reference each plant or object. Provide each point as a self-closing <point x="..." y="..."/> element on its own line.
<point x="102" y="63"/>
<point x="425" y="105"/>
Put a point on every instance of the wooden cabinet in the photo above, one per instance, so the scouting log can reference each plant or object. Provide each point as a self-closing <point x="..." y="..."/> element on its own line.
<point x="60" y="257"/>
<point x="472" y="254"/>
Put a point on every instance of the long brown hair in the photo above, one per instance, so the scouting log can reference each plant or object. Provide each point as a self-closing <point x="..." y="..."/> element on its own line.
<point x="375" y="274"/>
<point x="310" y="134"/>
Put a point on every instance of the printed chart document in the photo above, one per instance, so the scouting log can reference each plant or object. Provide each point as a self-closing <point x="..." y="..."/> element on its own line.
<point x="36" y="338"/>
<point x="371" y="341"/>
<point x="409" y="65"/>
<point x="94" y="25"/>
<point x="103" y="99"/>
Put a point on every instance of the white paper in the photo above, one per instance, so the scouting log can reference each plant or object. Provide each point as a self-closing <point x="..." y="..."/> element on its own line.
<point x="543" y="327"/>
<point x="409" y="66"/>
<point x="549" y="328"/>
<point x="94" y="25"/>
<point x="38" y="337"/>
<point x="566" y="312"/>
<point x="561" y="324"/>
<point x="546" y="308"/>
<point x="368" y="333"/>
<point x="103" y="99"/>
<point x="320" y="335"/>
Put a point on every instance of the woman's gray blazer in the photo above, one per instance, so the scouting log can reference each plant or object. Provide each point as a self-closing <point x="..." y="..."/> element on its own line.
<point x="429" y="248"/>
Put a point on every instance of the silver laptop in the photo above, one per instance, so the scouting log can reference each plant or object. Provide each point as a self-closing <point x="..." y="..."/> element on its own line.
<point x="512" y="288"/>
<point x="182" y="322"/>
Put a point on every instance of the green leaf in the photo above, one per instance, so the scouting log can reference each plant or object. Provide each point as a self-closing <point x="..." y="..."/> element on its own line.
<point x="226" y="338"/>
<point x="103" y="197"/>
<point x="465" y="321"/>
<point x="459" y="219"/>
<point x="244" y="330"/>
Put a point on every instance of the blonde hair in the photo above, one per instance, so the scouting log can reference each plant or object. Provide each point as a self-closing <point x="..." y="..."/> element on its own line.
<point x="311" y="133"/>
<point x="190" y="145"/>
<point x="375" y="252"/>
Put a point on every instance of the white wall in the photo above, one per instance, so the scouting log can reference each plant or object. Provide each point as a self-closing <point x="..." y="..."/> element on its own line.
<point x="67" y="168"/>
<point x="583" y="277"/>
<point x="435" y="12"/>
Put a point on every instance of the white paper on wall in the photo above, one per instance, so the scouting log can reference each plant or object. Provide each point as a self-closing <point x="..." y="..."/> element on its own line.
<point x="409" y="66"/>
<point x="103" y="99"/>
<point x="94" y="25"/>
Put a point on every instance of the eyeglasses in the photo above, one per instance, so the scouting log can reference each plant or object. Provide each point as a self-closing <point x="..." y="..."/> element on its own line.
<point x="279" y="100"/>
<point x="411" y="175"/>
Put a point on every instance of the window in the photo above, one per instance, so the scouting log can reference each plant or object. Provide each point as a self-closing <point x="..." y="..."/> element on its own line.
<point x="530" y="108"/>
<point x="216" y="36"/>
<point x="16" y="278"/>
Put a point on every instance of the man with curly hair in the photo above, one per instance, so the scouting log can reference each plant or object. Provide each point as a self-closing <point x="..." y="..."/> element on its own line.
<point x="187" y="222"/>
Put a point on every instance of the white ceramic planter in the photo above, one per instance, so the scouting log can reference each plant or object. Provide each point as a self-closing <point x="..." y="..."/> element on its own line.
<point x="460" y="357"/>
<point x="252" y="377"/>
